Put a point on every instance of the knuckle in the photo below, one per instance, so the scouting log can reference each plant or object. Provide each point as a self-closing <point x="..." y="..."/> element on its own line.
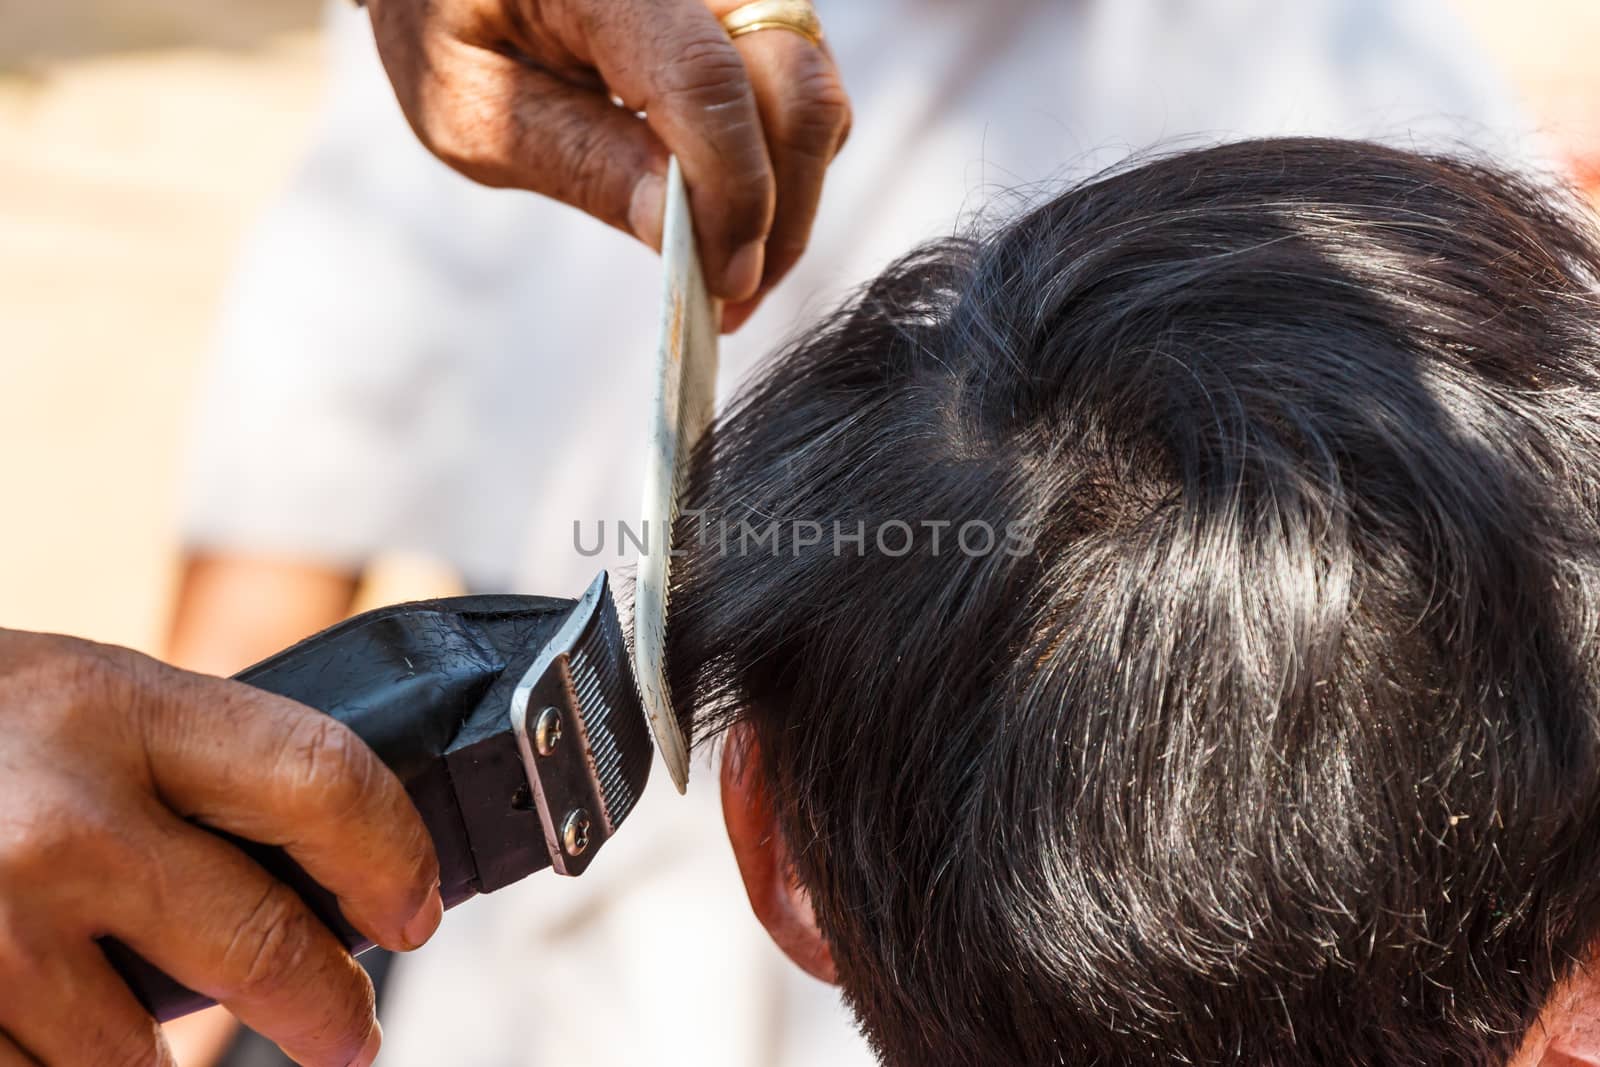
<point x="348" y="1010"/>
<point x="270" y="950"/>
<point x="46" y="837"/>
<point x="357" y="1009"/>
<point x="63" y="700"/>
<point x="140" y="682"/>
<point x="328" y="767"/>
<point x="589" y="173"/>
<point x="60" y="675"/>
<point x="708" y="76"/>
<point x="817" y="117"/>
<point x="453" y="118"/>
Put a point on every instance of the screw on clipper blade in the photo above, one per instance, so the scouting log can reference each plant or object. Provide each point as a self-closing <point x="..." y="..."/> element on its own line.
<point x="440" y="690"/>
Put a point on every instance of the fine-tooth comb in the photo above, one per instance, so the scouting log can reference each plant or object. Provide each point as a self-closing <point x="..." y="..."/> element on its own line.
<point x="685" y="399"/>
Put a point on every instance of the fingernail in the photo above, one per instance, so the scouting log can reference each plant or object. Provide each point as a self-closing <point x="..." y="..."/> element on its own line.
<point x="646" y="208"/>
<point x="425" y="922"/>
<point x="744" y="271"/>
<point x="369" y="1051"/>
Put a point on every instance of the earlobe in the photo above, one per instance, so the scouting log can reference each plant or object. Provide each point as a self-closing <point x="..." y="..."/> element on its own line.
<point x="780" y="901"/>
<point x="1567" y="1032"/>
<point x="1577" y="1044"/>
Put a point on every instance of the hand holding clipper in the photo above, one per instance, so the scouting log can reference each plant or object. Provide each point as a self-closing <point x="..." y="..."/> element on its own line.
<point x="115" y="767"/>
<point x="151" y="838"/>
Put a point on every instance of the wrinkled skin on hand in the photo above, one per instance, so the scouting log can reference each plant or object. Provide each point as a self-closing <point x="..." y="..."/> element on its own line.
<point x="520" y="93"/>
<point x="111" y="767"/>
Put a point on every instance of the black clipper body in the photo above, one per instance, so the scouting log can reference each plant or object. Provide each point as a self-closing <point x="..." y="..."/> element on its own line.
<point x="513" y="721"/>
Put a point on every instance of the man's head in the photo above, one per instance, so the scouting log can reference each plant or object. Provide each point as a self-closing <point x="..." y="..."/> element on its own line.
<point x="1215" y="677"/>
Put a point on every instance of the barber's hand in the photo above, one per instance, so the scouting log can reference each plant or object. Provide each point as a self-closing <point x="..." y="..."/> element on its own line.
<point x="108" y="760"/>
<point x="519" y="93"/>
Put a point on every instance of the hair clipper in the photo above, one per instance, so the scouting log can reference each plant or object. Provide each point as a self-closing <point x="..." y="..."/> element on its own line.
<point x="514" y="723"/>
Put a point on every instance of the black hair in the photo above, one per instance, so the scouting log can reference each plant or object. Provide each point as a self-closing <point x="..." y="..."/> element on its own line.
<point x="1266" y="730"/>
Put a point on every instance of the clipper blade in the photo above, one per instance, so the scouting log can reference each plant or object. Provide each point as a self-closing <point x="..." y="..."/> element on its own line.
<point x="608" y="704"/>
<point x="582" y="733"/>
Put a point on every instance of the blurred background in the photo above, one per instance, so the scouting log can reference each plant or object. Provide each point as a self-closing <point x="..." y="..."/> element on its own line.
<point x="141" y="141"/>
<point x="138" y="139"/>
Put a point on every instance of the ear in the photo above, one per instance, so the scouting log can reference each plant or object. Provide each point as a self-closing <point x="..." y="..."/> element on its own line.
<point x="1567" y="1032"/>
<point x="780" y="901"/>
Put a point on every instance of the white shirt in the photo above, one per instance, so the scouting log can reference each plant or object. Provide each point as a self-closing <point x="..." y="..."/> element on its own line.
<point x="410" y="361"/>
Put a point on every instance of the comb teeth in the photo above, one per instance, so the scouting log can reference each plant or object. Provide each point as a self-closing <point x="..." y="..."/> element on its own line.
<point x="682" y="409"/>
<point x="619" y="736"/>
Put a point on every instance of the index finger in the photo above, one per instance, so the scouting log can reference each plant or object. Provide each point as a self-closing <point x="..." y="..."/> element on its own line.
<point x="274" y="771"/>
<point x="672" y="60"/>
